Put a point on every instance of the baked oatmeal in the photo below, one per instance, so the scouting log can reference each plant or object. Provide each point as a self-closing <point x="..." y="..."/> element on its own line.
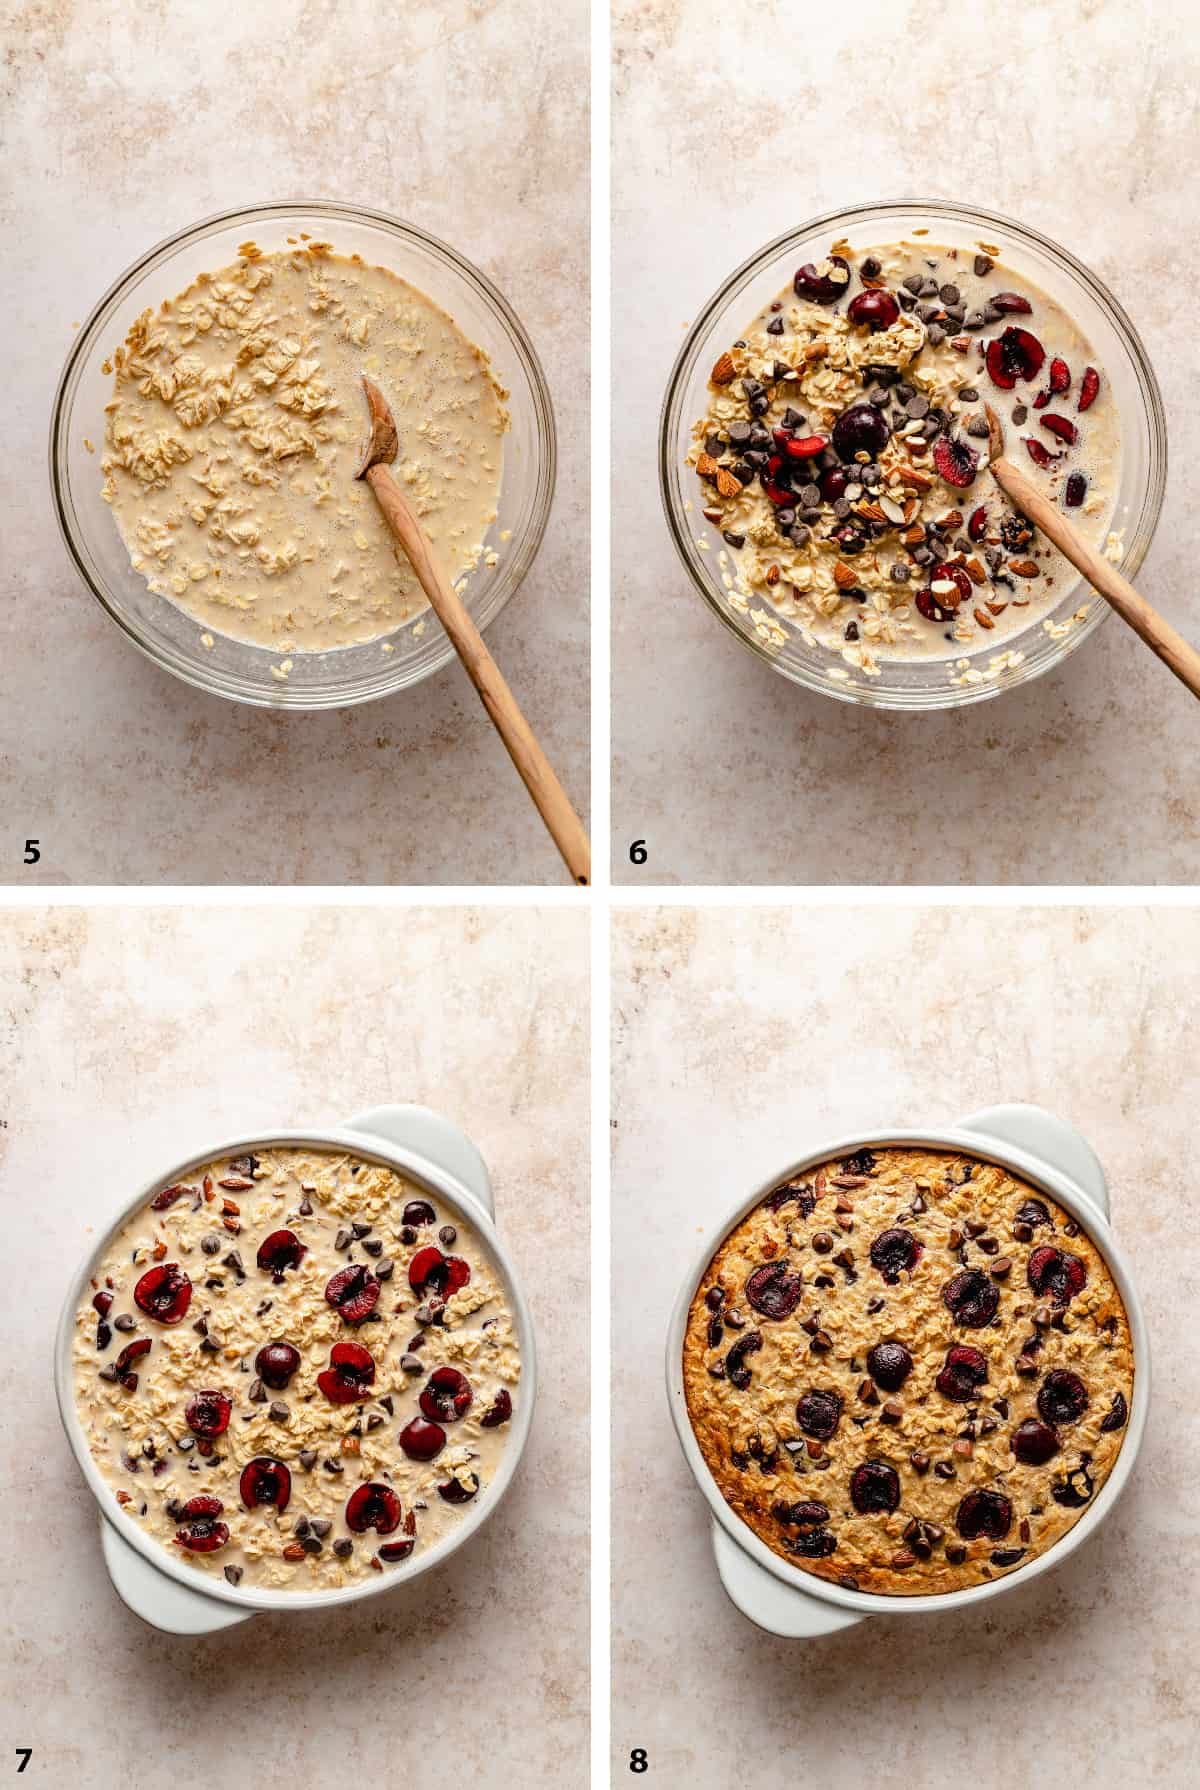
<point x="293" y="1370"/>
<point x="908" y="1371"/>
<point x="236" y="427"/>
<point x="842" y="459"/>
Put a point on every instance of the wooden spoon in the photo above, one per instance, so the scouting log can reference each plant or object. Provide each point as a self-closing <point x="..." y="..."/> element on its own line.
<point x="551" y="799"/>
<point x="1175" y="652"/>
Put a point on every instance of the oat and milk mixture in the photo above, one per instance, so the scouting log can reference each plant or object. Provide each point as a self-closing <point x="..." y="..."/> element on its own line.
<point x="295" y="1370"/>
<point x="842" y="460"/>
<point x="237" y="424"/>
<point x="908" y="1371"/>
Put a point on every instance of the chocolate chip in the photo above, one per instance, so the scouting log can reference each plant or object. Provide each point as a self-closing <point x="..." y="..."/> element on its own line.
<point x="125" y="1322"/>
<point x="300" y="1528"/>
<point x="232" y="1573"/>
<point x="308" y="1458"/>
<point x="977" y="427"/>
<point x="257" y="1395"/>
<point x="305" y="1207"/>
<point x="384" y="1268"/>
<point x="937" y="335"/>
<point x="956" y="1552"/>
<point x="920" y="1460"/>
<point x="279" y="1412"/>
<point x="210" y="1244"/>
<point x="775" y="327"/>
<point x="343" y="1549"/>
<point x="411" y="1364"/>
<point x="969" y="395"/>
<point x="343" y="1240"/>
<point x="983" y="264"/>
<point x="913" y="284"/>
<point x="1020" y="415"/>
<point x="871" y="268"/>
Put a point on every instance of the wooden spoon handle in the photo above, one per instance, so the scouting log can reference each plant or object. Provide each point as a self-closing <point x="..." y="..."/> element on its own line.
<point x="1175" y="652"/>
<point x="550" y="798"/>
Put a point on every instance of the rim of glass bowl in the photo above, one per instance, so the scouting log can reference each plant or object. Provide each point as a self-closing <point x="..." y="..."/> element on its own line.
<point x="390" y="678"/>
<point x="669" y="472"/>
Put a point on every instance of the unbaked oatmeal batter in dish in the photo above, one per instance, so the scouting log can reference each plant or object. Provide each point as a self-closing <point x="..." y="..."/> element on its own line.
<point x="294" y="1370"/>
<point x="842" y="460"/>
<point x="908" y="1371"/>
<point x="236" y="427"/>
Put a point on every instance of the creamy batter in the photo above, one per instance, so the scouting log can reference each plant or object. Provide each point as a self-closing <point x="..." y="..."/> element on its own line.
<point x="186" y="1418"/>
<point x="237" y="424"/>
<point x="843" y="457"/>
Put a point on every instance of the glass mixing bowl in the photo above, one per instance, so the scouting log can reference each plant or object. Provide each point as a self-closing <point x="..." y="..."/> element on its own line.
<point x="918" y="684"/>
<point x="233" y="668"/>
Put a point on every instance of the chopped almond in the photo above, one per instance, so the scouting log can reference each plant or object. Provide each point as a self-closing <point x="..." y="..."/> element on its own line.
<point x="1024" y="568"/>
<point x="984" y="619"/>
<point x="727" y="484"/>
<point x="706" y="466"/>
<point x="724" y="370"/>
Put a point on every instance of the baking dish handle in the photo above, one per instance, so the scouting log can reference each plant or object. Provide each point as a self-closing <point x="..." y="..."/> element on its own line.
<point x="158" y="1600"/>
<point x="1039" y="1133"/>
<point x="427" y="1134"/>
<point x="769" y="1603"/>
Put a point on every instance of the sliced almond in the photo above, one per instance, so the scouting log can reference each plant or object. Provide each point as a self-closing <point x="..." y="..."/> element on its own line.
<point x="984" y="619"/>
<point x="870" y="510"/>
<point x="724" y="370"/>
<point x="997" y="608"/>
<point x="912" y="537"/>
<point x="892" y="510"/>
<point x="727" y="484"/>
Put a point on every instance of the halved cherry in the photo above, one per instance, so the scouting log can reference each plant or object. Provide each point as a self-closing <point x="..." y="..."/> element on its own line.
<point x="778" y="496"/>
<point x="1060" y="426"/>
<point x="207" y="1413"/>
<point x="814" y="281"/>
<point x="123" y="1365"/>
<point x="393" y="1551"/>
<point x="1057" y="1272"/>
<point x="167" y="1197"/>
<point x="774" y="1291"/>
<point x="417" y="1213"/>
<point x="280" y="1251"/>
<point x="877" y="308"/>
<point x="805" y="447"/>
<point x="265" y="1480"/>
<point x="350" y="1372"/>
<point x="1060" y="376"/>
<point x="977" y="527"/>
<point x="203" y="1533"/>
<point x="895" y="1252"/>
<point x="102" y="1302"/>
<point x="447" y="1396"/>
<point x="1088" y="389"/>
<point x="432" y="1272"/>
<point x="1014" y="355"/>
<point x="1040" y="455"/>
<point x="498" y="1412"/>
<point x="275" y="1364"/>
<point x="422" y="1441"/>
<point x="1012" y="302"/>
<point x="1033" y="1443"/>
<point x="962" y="1374"/>
<point x="353" y="1292"/>
<point x="1076" y="490"/>
<point x="874" y="1487"/>
<point x="375" y="1507"/>
<point x="459" y="1491"/>
<point x="972" y="1297"/>
<point x="956" y="462"/>
<point x="164" y="1293"/>
<point x="983" y="1512"/>
<point x="1062" y="1397"/>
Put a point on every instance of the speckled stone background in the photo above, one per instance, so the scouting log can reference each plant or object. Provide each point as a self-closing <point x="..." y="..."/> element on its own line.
<point x="732" y="124"/>
<point x="741" y="1039"/>
<point x="132" y="1036"/>
<point x="121" y="124"/>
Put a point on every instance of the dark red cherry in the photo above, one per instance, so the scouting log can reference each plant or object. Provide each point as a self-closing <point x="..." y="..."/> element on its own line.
<point x="167" y="1197"/>
<point x="203" y="1534"/>
<point x="1076" y="490"/>
<point x="774" y="1291"/>
<point x="956" y="462"/>
<point x="350" y="1372"/>
<point x="1088" y="389"/>
<point x="208" y="1413"/>
<point x="265" y="1480"/>
<point x="498" y="1412"/>
<point x="833" y="482"/>
<point x="1012" y="302"/>
<point x="393" y="1551"/>
<point x="353" y="1293"/>
<point x="972" y="1298"/>
<point x="1032" y="1213"/>
<point x="432" y="1272"/>
<point x="422" y="1441"/>
<point x="454" y="1491"/>
<point x="877" y="308"/>
<point x="417" y="1213"/>
<point x="280" y="1251"/>
<point x="1060" y="376"/>
<point x="874" y="1487"/>
<point x="1062" y="1397"/>
<point x="895" y="1252"/>
<point x="977" y="527"/>
<point x="1033" y="1443"/>
<point x="1056" y="1272"/>
<point x="735" y="1362"/>
<point x="164" y="1293"/>
<point x="1061" y="427"/>
<point x="963" y="1372"/>
<point x="373" y="1507"/>
<point x="1015" y="355"/>
<point x="889" y="1365"/>
<point x="814" y="281"/>
<point x="1118" y="1414"/>
<point x="933" y="610"/>
<point x="861" y="430"/>
<point x="811" y="1544"/>
<point x="1075" y="1490"/>
<point x="275" y="1364"/>
<point x="447" y="1396"/>
<point x="983" y="1512"/>
<point x="1040" y="455"/>
<point x="818" y="1412"/>
<point x="102" y="1302"/>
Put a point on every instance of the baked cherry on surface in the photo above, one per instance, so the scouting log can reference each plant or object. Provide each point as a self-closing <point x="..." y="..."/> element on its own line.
<point x="164" y="1293"/>
<point x="417" y="1213"/>
<point x="984" y="1512"/>
<point x="459" y="1491"/>
<point x="353" y="1293"/>
<point x="498" y="1412"/>
<point x="1056" y="1272"/>
<point x="447" y="1396"/>
<point x="432" y="1272"/>
<point x="894" y="1252"/>
<point x="774" y="1291"/>
<point x="1062" y="1397"/>
<point x="964" y="1371"/>
<point x="200" y="1531"/>
<point x="350" y="1373"/>
<point x="972" y="1298"/>
<point x="207" y="1413"/>
<point x="889" y="1365"/>
<point x="275" y="1364"/>
<point x="874" y="1488"/>
<point x="373" y="1506"/>
<point x="818" y="1412"/>
<point x="1033" y="1443"/>
<point x="421" y="1440"/>
<point x="123" y="1365"/>
<point x="279" y="1252"/>
<point x="265" y="1480"/>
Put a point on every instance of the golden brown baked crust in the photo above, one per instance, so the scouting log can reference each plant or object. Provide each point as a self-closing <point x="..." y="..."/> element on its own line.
<point x="797" y="1300"/>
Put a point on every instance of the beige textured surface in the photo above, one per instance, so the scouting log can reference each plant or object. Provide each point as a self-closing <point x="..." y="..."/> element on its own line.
<point x="130" y="1037"/>
<point x="123" y="124"/>
<point x="1074" y="118"/>
<point x="741" y="1040"/>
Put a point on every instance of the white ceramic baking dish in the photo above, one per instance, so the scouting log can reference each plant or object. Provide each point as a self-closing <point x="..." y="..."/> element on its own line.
<point x="785" y="1600"/>
<point x="434" y="1154"/>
